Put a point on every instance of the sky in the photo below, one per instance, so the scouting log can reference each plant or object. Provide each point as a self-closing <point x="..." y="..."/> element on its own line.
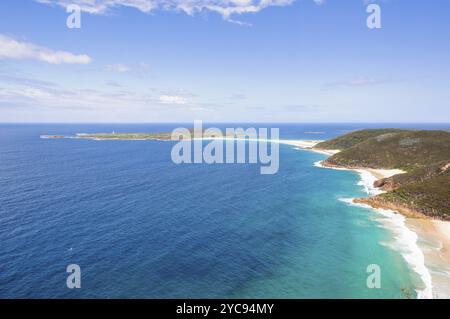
<point x="224" y="61"/>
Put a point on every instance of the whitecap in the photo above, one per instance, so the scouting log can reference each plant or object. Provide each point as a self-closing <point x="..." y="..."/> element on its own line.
<point x="405" y="242"/>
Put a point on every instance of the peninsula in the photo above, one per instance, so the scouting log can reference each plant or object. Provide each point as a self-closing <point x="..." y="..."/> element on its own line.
<point x="424" y="157"/>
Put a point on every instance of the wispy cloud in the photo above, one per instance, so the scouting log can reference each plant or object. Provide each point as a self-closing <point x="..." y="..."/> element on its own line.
<point x="359" y="81"/>
<point x="23" y="80"/>
<point x="11" y="49"/>
<point x="172" y="99"/>
<point x="238" y="96"/>
<point x="58" y="98"/>
<point x="113" y="84"/>
<point x="139" y="70"/>
<point x="226" y="8"/>
<point x="121" y="68"/>
<point x="32" y="99"/>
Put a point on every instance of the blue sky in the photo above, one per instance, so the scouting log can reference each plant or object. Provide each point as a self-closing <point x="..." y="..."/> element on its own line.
<point x="224" y="60"/>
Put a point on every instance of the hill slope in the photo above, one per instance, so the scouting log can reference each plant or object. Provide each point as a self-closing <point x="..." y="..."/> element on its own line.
<point x="405" y="150"/>
<point x="425" y="156"/>
<point x="351" y="139"/>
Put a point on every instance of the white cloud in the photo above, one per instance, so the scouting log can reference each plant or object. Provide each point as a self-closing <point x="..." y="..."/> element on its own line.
<point x="136" y="69"/>
<point x="38" y="97"/>
<point x="33" y="100"/>
<point x="226" y="8"/>
<point x="13" y="49"/>
<point x="121" y="68"/>
<point x="319" y="2"/>
<point x="172" y="99"/>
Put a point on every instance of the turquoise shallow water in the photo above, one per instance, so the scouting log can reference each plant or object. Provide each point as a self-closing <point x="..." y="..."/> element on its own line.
<point x="140" y="226"/>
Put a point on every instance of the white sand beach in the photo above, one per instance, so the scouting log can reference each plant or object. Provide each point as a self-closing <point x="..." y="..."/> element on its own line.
<point x="384" y="173"/>
<point x="429" y="251"/>
<point x="309" y="145"/>
<point x="434" y="241"/>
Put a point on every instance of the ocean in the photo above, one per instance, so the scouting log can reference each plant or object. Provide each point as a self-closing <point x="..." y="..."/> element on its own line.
<point x="140" y="226"/>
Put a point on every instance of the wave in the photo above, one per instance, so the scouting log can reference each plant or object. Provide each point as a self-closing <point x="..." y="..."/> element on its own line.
<point x="367" y="180"/>
<point x="405" y="239"/>
<point x="319" y="164"/>
<point x="405" y="242"/>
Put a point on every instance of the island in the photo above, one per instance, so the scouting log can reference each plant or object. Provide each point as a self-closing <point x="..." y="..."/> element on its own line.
<point x="161" y="136"/>
<point x="165" y="136"/>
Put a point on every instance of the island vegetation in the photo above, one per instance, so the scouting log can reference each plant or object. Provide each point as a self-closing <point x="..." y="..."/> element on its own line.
<point x="126" y="136"/>
<point x="164" y="136"/>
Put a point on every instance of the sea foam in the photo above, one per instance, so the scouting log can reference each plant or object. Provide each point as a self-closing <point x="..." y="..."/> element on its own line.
<point x="405" y="240"/>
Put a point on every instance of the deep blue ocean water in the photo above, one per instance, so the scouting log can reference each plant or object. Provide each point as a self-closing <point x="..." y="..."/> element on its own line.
<point x="141" y="226"/>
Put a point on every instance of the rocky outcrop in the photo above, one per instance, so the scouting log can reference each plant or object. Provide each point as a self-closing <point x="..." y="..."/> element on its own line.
<point x="377" y="202"/>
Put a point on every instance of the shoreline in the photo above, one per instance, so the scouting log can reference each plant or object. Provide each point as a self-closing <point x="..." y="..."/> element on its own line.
<point x="428" y="239"/>
<point x="434" y="241"/>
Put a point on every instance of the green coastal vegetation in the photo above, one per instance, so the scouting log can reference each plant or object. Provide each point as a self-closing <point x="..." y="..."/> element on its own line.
<point x="166" y="136"/>
<point x="351" y="139"/>
<point x="423" y="154"/>
<point x="126" y="136"/>
<point x="406" y="150"/>
<point x="428" y="196"/>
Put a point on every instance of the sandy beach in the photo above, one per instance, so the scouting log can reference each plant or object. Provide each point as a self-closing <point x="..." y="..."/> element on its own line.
<point x="309" y="144"/>
<point x="434" y="241"/>
<point x="433" y="236"/>
<point x="384" y="173"/>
